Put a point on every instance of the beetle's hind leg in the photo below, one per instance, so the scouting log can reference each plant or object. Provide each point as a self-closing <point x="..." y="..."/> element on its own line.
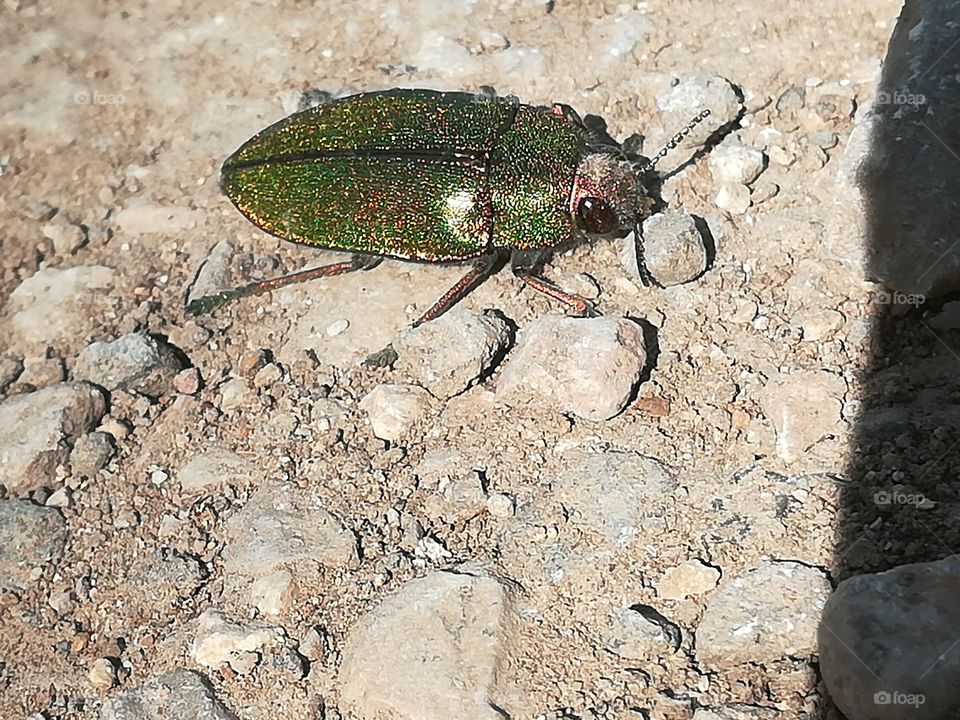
<point x="482" y="267"/>
<point x="524" y="264"/>
<point x="209" y="303"/>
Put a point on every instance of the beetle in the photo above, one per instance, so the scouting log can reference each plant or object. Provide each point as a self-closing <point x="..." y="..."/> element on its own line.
<point x="437" y="177"/>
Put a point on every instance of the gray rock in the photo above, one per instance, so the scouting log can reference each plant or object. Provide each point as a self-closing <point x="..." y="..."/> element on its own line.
<point x="213" y="468"/>
<point x="132" y="362"/>
<point x="37" y="429"/>
<point x="57" y="307"/>
<point x="585" y="366"/>
<point x="888" y="648"/>
<point x="804" y="407"/>
<point x="432" y="651"/>
<point x="449" y="354"/>
<point x="673" y="249"/>
<point x="91" y="453"/>
<point x="162" y="580"/>
<point x="283" y="527"/>
<point x="912" y="231"/>
<point x="175" y="694"/>
<point x="763" y="615"/>
<point x="393" y="409"/>
<point x="42" y="371"/>
<point x="30" y="536"/>
<point x="614" y="493"/>
<point x="641" y="633"/>
<point x="397" y="291"/>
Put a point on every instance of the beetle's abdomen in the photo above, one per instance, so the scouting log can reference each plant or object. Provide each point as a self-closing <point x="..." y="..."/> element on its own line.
<point x="531" y="180"/>
<point x="402" y="173"/>
<point x="385" y="206"/>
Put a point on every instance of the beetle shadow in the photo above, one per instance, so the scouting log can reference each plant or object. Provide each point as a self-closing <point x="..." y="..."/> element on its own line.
<point x="653" y="181"/>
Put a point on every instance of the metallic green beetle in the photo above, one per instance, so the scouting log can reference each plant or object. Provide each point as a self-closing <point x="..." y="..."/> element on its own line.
<point x="436" y="177"/>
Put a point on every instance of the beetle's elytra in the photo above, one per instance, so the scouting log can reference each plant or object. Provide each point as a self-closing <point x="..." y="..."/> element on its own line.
<point x="435" y="177"/>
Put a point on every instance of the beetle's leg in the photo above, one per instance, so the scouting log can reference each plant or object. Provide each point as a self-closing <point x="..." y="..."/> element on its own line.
<point x="482" y="267"/>
<point x="209" y="303"/>
<point x="522" y="264"/>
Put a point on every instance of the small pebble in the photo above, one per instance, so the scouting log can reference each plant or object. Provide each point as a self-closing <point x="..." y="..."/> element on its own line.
<point x="313" y="646"/>
<point x="267" y="376"/>
<point x="119" y="429"/>
<point x="67" y="237"/>
<point x="251" y="362"/>
<point x="585" y="366"/>
<point x="187" y="382"/>
<point x="781" y="155"/>
<point x="763" y="191"/>
<point x="102" y="674"/>
<point x="733" y="163"/>
<point x="233" y="394"/>
<point x="693" y="577"/>
<point x="733" y="198"/>
<point x="59" y="499"/>
<point x="447" y="355"/>
<point x="674" y="251"/>
<point x="337" y="328"/>
<point x="393" y="409"/>
<point x="500" y="505"/>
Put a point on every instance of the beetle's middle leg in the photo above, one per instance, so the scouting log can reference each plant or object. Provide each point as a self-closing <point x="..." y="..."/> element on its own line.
<point x="524" y="264"/>
<point x="482" y="267"/>
<point x="209" y="303"/>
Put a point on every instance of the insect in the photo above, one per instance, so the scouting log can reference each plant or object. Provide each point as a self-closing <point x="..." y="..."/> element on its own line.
<point x="436" y="177"/>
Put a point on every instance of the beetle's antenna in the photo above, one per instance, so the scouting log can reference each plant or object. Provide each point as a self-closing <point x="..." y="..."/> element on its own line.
<point x="674" y="141"/>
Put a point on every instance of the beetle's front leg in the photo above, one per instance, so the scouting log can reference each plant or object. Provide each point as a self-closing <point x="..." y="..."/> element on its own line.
<point x="525" y="263"/>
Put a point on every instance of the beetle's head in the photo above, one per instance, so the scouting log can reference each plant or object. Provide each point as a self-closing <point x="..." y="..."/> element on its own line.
<point x="607" y="198"/>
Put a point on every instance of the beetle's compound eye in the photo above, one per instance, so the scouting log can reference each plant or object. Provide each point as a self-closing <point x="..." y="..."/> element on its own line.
<point x="597" y="216"/>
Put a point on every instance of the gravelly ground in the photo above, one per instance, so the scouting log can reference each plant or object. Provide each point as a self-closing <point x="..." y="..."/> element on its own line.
<point x="119" y="119"/>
